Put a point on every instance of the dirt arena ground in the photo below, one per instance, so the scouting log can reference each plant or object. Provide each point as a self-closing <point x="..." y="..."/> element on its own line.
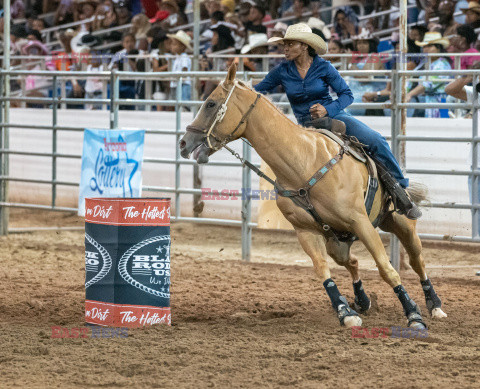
<point x="267" y="323"/>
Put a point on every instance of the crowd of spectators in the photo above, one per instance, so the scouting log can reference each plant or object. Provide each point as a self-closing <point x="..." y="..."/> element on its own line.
<point x="156" y="35"/>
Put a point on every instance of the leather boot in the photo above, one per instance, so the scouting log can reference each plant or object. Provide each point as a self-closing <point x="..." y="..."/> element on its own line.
<point x="401" y="200"/>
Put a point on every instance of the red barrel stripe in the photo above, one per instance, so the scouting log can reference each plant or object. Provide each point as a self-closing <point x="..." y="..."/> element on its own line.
<point x="131" y="212"/>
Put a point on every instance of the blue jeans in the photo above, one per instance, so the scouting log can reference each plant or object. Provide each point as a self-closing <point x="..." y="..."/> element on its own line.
<point x="377" y="145"/>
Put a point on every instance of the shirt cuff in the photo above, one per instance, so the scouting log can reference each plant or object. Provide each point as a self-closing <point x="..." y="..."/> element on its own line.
<point x="332" y="109"/>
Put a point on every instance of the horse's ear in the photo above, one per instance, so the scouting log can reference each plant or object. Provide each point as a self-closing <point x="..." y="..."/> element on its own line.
<point x="232" y="70"/>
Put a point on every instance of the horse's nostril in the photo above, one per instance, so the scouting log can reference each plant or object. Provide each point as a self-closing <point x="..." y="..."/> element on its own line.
<point x="182" y="144"/>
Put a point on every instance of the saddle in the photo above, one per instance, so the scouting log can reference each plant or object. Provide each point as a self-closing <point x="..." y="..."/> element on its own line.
<point x="336" y="130"/>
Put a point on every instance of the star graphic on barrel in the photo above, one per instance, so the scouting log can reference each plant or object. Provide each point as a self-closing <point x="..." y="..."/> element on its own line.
<point x="159" y="249"/>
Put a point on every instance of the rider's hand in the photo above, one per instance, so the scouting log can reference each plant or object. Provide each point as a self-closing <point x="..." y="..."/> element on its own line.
<point x="318" y="111"/>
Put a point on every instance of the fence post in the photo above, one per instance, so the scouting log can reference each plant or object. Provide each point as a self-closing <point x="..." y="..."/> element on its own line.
<point x="114" y="93"/>
<point x="197" y="170"/>
<point x="5" y="136"/>
<point x="395" y="122"/>
<point x="178" y="116"/>
<point x="54" y="141"/>
<point x="475" y="156"/>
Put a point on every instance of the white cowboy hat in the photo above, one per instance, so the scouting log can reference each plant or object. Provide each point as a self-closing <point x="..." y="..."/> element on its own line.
<point x="319" y="25"/>
<point x="302" y="33"/>
<point x="255" y="40"/>
<point x="433" y="38"/>
<point x="182" y="37"/>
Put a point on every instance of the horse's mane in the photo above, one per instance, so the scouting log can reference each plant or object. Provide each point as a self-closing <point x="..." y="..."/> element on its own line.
<point x="248" y="86"/>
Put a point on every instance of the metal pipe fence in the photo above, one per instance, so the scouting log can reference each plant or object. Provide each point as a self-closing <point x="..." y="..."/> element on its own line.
<point x="114" y="102"/>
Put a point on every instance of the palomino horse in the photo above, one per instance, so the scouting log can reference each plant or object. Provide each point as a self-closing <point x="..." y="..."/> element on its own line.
<point x="294" y="154"/>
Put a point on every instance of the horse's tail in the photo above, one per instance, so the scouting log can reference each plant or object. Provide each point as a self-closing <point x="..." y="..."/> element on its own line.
<point x="418" y="193"/>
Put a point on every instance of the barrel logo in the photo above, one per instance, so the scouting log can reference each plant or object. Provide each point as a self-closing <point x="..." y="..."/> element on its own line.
<point x="146" y="266"/>
<point x="98" y="261"/>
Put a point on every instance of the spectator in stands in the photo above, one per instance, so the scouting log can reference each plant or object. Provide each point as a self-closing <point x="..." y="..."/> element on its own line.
<point x="85" y="9"/>
<point x="388" y="20"/>
<point x="255" y="18"/>
<point x="463" y="42"/>
<point x="17" y="9"/>
<point x="345" y="23"/>
<point x="127" y="87"/>
<point x="18" y="38"/>
<point x="64" y="13"/>
<point x="180" y="43"/>
<point x="182" y="17"/>
<point x="365" y="44"/>
<point x="238" y="31"/>
<point x="173" y="18"/>
<point x="159" y="17"/>
<point x="335" y="47"/>
<point x="445" y="12"/>
<point x="93" y="85"/>
<point x="433" y="43"/>
<point x="413" y="63"/>
<point x="213" y="6"/>
<point x="318" y="27"/>
<point x="105" y="17"/>
<point x="257" y="45"/>
<point x="140" y="27"/>
<point x="34" y="35"/>
<point x="222" y="38"/>
<point x="472" y="14"/>
<point x="417" y="33"/>
<point x="227" y="6"/>
<point x="123" y="14"/>
<point x="298" y="8"/>
<point x="244" y="12"/>
<point x="38" y="24"/>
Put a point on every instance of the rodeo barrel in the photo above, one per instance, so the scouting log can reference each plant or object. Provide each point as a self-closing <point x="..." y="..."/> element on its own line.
<point x="127" y="262"/>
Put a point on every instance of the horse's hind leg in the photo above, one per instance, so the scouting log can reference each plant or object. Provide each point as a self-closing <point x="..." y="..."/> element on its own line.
<point x="405" y="230"/>
<point x="342" y="254"/>
<point x="314" y="246"/>
<point x="371" y="239"/>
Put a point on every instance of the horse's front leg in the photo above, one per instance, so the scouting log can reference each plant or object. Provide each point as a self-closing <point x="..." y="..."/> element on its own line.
<point x="314" y="246"/>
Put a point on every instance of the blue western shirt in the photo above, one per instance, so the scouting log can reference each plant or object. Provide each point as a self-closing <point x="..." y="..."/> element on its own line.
<point x="313" y="89"/>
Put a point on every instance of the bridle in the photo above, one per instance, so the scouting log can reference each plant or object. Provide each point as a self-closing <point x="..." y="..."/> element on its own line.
<point x="219" y="115"/>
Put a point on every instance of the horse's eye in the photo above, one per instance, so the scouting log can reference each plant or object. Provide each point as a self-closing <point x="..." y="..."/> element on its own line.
<point x="211" y="104"/>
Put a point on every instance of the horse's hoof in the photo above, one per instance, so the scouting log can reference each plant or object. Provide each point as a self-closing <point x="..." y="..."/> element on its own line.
<point x="415" y="320"/>
<point x="437" y="313"/>
<point x="417" y="325"/>
<point x="352" y="321"/>
<point x="362" y="309"/>
<point x="348" y="317"/>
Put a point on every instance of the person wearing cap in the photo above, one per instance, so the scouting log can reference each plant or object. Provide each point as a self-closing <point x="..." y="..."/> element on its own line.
<point x="180" y="43"/>
<point x="307" y="79"/>
<point x="433" y="43"/>
<point x="472" y="14"/>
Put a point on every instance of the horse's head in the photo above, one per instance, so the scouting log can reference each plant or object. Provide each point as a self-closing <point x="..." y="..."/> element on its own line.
<point x="218" y="121"/>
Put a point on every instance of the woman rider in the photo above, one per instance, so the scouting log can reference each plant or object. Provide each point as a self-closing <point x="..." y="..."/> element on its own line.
<point x="306" y="79"/>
